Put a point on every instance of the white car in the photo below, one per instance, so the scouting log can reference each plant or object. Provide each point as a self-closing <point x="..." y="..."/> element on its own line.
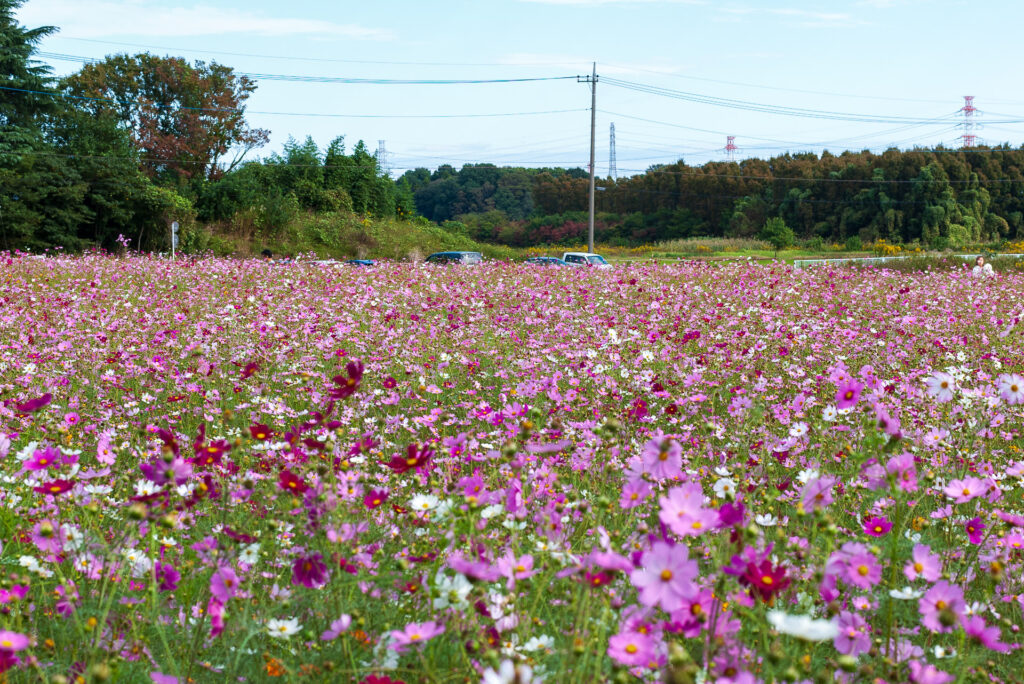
<point x="585" y="259"/>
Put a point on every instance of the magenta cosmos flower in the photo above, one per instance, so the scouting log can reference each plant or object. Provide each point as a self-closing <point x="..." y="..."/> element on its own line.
<point x="310" y="571"/>
<point x="877" y="527"/>
<point x="665" y="577"/>
<point x="974" y="526"/>
<point x="414" y="634"/>
<point x="848" y="394"/>
<point x="942" y="606"/>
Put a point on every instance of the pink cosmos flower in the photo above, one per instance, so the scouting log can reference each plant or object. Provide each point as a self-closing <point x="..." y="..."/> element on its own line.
<point x="71" y="418"/>
<point x="336" y="629"/>
<point x="988" y="637"/>
<point x="634" y="492"/>
<point x="665" y="577"/>
<point x="903" y="468"/>
<point x="515" y="569"/>
<point x="161" y="678"/>
<point x="848" y="394"/>
<point x="632" y="649"/>
<point x="683" y="512"/>
<point x="13" y="641"/>
<point x="223" y="584"/>
<point x="663" y="457"/>
<point x="942" y="606"/>
<point x="924" y="673"/>
<point x="962" y="491"/>
<point x="924" y="564"/>
<point x="414" y="634"/>
<point x="974" y="526"/>
<point x="853" y="638"/>
<point x="877" y="527"/>
<point x="863" y="570"/>
<point x="817" y="493"/>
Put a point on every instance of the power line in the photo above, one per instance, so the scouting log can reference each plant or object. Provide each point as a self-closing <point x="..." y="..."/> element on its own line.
<point x="776" y="109"/>
<point x="311" y="114"/>
<point x="343" y="79"/>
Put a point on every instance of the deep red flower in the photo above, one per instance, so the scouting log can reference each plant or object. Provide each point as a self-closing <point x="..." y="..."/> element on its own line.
<point x="381" y="679"/>
<point x="390" y="383"/>
<point x="33" y="405"/>
<point x="346" y="386"/>
<point x="211" y="454"/>
<point x="54" y="487"/>
<point x="374" y="498"/>
<point x="249" y="369"/>
<point x="260" y="431"/>
<point x="310" y="571"/>
<point x="598" y="579"/>
<point x="765" y="579"/>
<point x="290" y="482"/>
<point x="415" y="459"/>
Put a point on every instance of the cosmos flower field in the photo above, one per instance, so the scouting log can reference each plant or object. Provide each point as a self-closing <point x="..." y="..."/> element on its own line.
<point x="219" y="470"/>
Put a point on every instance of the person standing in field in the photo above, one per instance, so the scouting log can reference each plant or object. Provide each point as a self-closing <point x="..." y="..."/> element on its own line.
<point x="981" y="269"/>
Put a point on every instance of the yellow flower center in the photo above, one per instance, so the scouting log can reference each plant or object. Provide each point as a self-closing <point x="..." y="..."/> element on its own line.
<point x="666" y="575"/>
<point x="863" y="570"/>
<point x="631" y="649"/>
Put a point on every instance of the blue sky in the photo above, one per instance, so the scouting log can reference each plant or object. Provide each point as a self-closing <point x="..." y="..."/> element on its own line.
<point x="896" y="58"/>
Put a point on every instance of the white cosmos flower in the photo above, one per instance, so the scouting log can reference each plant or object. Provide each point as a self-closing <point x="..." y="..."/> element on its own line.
<point x="941" y="652"/>
<point x="250" y="554"/>
<point x="490" y="511"/>
<point x="766" y="520"/>
<point x="803" y="626"/>
<point x="807" y="475"/>
<point x="144" y="488"/>
<point x="539" y="643"/>
<point x="725" y="487"/>
<point x="282" y="629"/>
<point x="905" y="594"/>
<point x="451" y="591"/>
<point x="798" y="429"/>
<point x="424" y="502"/>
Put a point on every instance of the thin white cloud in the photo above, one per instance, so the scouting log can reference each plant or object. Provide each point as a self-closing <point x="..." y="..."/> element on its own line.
<point x="805" y="18"/>
<point x="151" y="18"/>
<point x="530" y="59"/>
<point x="617" y="2"/>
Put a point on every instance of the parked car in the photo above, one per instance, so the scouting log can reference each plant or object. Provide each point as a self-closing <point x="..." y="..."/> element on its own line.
<point x="546" y="261"/>
<point x="585" y="259"/>
<point x="359" y="262"/>
<point x="465" y="258"/>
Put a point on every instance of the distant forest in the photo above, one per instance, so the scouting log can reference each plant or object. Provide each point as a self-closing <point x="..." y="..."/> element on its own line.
<point x="124" y="146"/>
<point x="936" y="198"/>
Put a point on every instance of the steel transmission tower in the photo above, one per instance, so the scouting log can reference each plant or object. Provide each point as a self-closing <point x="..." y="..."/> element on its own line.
<point x="969" y="111"/>
<point x="730" y="147"/>
<point x="382" y="158"/>
<point x="612" y="171"/>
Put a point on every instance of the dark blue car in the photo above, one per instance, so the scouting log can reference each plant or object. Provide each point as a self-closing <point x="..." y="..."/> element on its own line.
<point x="546" y="261"/>
<point x="465" y="258"/>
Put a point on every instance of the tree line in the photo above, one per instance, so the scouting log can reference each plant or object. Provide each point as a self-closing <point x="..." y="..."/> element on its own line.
<point x="933" y="197"/>
<point x="124" y="146"/>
